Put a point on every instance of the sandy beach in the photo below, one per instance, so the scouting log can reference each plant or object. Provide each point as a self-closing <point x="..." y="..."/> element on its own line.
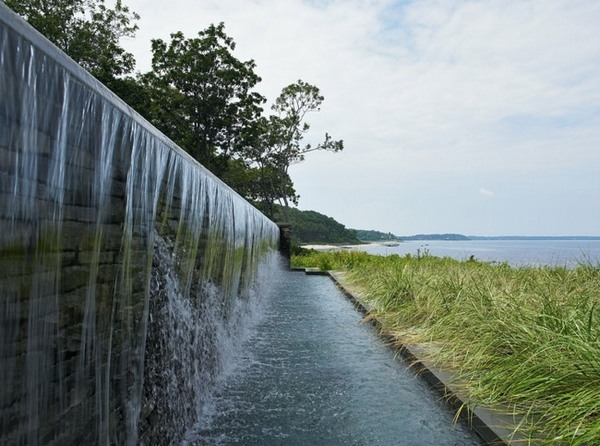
<point x="329" y="247"/>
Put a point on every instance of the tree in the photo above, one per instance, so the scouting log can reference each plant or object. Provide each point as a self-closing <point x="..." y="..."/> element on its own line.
<point x="264" y="190"/>
<point x="286" y="129"/>
<point x="215" y="94"/>
<point x="313" y="227"/>
<point x="87" y="30"/>
<point x="198" y="94"/>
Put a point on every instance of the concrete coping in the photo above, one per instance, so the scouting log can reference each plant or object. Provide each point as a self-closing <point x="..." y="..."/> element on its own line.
<point x="495" y="426"/>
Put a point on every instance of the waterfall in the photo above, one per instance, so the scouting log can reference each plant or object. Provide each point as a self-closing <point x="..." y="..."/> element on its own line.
<point x="125" y="266"/>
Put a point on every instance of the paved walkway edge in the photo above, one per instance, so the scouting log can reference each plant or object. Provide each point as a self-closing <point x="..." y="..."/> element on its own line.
<point x="493" y="426"/>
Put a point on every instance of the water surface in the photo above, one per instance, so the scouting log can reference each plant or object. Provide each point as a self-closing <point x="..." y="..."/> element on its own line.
<point x="568" y="253"/>
<point x="313" y="374"/>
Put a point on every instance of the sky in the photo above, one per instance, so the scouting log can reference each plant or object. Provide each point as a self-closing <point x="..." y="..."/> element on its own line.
<point x="479" y="117"/>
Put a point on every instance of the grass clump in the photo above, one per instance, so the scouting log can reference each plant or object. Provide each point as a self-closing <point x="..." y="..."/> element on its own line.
<point x="523" y="338"/>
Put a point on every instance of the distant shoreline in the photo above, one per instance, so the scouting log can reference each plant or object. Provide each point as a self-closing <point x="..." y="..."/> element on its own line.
<point x="329" y="247"/>
<point x="445" y="237"/>
<point x="535" y="237"/>
<point x="460" y="237"/>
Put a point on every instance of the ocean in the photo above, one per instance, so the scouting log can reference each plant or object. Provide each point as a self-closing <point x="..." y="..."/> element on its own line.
<point x="565" y="253"/>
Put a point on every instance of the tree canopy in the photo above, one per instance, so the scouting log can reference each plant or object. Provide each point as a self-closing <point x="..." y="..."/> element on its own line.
<point x="289" y="127"/>
<point x="87" y="30"/>
<point x="282" y="145"/>
<point x="214" y="93"/>
<point x="314" y="227"/>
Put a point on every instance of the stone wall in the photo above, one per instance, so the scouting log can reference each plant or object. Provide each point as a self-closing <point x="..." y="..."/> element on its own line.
<point x="87" y="191"/>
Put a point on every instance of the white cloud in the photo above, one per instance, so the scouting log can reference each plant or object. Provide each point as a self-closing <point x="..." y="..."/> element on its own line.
<point x="450" y="89"/>
<point x="486" y="192"/>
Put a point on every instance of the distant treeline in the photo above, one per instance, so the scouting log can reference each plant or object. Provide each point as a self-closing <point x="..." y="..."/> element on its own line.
<point x="310" y="227"/>
<point x="374" y="236"/>
<point x="377" y="236"/>
<point x="536" y="237"/>
<point x="435" y="237"/>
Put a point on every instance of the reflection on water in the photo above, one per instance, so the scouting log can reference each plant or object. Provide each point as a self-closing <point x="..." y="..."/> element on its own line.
<point x="313" y="374"/>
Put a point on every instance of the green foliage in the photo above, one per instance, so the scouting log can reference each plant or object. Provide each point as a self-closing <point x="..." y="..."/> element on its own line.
<point x="375" y="236"/>
<point x="300" y="251"/>
<point x="527" y="339"/>
<point x="436" y="237"/>
<point x="313" y="227"/>
<point x="337" y="260"/>
<point x="198" y="94"/>
<point x="208" y="93"/>
<point x="282" y="145"/>
<point x="87" y="30"/>
<point x="201" y="96"/>
<point x="272" y="185"/>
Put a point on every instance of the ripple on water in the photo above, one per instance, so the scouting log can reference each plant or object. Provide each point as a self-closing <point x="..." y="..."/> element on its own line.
<point x="313" y="374"/>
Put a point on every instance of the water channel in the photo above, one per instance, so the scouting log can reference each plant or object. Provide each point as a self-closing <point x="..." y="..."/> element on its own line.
<point x="312" y="373"/>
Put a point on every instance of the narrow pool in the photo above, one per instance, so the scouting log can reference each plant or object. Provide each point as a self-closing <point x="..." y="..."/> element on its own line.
<point x="312" y="373"/>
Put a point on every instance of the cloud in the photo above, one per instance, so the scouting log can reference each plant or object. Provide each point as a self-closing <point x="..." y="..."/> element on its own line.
<point x="421" y="89"/>
<point x="486" y="192"/>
